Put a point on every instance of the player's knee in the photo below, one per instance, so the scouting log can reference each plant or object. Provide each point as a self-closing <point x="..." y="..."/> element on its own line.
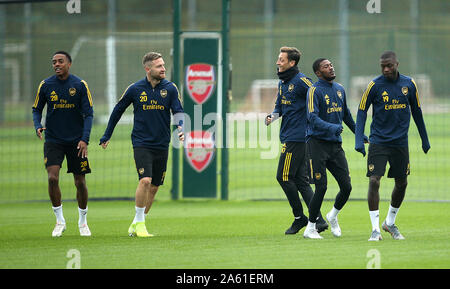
<point x="374" y="182"/>
<point x="53" y="180"/>
<point x="401" y="184"/>
<point x="145" y="182"/>
<point x="80" y="183"/>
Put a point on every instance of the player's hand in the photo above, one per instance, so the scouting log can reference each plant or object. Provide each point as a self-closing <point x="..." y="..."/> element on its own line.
<point x="82" y="149"/>
<point x="268" y="119"/>
<point x="39" y="132"/>
<point x="104" y="144"/>
<point x="180" y="133"/>
<point x="425" y="147"/>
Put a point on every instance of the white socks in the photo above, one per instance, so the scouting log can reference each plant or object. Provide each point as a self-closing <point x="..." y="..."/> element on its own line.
<point x="311" y="226"/>
<point x="140" y="216"/>
<point x="82" y="216"/>
<point x="375" y="219"/>
<point x="392" y="213"/>
<point x="135" y="216"/>
<point x="333" y="213"/>
<point x="390" y="218"/>
<point x="82" y="213"/>
<point x="59" y="214"/>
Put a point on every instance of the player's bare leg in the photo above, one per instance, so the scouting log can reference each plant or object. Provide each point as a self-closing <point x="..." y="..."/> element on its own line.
<point x="373" y="198"/>
<point x="142" y="191"/>
<point x="82" y="198"/>
<point x="150" y="197"/>
<point x="53" y="185"/>
<point x="55" y="197"/>
<point x="398" y="194"/>
<point x="82" y="191"/>
<point x="138" y="225"/>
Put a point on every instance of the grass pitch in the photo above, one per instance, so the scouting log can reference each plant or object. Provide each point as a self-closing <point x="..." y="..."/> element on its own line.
<point x="220" y="235"/>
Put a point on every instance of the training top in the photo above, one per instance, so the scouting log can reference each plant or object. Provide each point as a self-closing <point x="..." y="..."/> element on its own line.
<point x="327" y="109"/>
<point x="151" y="108"/>
<point x="392" y="104"/>
<point x="291" y="106"/>
<point x="69" y="109"/>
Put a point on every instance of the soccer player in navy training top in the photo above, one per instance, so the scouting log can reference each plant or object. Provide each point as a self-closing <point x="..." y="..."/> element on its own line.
<point x="153" y="97"/>
<point x="327" y="109"/>
<point x="291" y="106"/>
<point x="67" y="129"/>
<point x="393" y="97"/>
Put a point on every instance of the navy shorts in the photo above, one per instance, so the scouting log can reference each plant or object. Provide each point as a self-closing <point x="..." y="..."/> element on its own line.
<point x="379" y="155"/>
<point x="151" y="163"/>
<point x="54" y="156"/>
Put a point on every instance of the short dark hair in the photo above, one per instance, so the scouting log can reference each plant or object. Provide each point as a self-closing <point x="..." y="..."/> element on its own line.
<point x="388" y="54"/>
<point x="292" y="53"/>
<point x="65" y="53"/>
<point x="150" y="56"/>
<point x="316" y="64"/>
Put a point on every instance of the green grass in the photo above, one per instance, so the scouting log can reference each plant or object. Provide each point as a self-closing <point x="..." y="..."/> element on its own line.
<point x="218" y="235"/>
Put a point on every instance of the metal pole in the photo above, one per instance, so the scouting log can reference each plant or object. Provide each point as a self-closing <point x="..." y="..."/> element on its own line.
<point x="28" y="57"/>
<point x="268" y="40"/>
<point x="111" y="57"/>
<point x="176" y="79"/>
<point x="2" y="63"/>
<point x="414" y="13"/>
<point x="192" y="14"/>
<point x="344" y="44"/>
<point x="226" y="94"/>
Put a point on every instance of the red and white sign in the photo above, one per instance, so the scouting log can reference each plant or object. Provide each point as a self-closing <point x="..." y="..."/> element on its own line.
<point x="200" y="81"/>
<point x="199" y="149"/>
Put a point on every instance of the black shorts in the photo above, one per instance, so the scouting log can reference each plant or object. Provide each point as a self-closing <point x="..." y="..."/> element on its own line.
<point x="327" y="155"/>
<point x="379" y="155"/>
<point x="151" y="163"/>
<point x="292" y="163"/>
<point x="54" y="156"/>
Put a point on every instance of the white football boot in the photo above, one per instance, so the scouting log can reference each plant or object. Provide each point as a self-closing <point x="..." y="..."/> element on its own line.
<point x="311" y="232"/>
<point x="335" y="229"/>
<point x="58" y="230"/>
<point x="84" y="230"/>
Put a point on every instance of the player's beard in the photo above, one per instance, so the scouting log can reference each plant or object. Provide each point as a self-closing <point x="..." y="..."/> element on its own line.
<point x="391" y="76"/>
<point x="158" y="76"/>
<point x="329" y="78"/>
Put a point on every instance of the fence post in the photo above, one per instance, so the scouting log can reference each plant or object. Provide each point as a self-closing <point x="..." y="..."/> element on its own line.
<point x="176" y="79"/>
<point x="2" y="63"/>
<point x="226" y="95"/>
